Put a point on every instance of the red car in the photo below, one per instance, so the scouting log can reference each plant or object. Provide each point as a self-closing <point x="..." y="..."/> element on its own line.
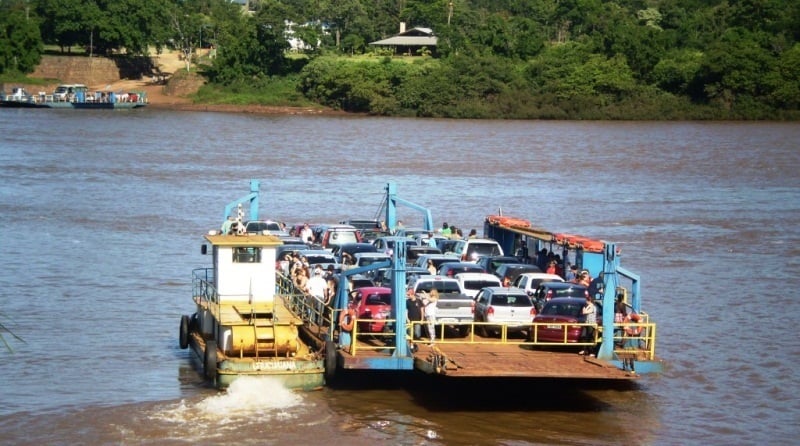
<point x="372" y="303"/>
<point x="557" y="314"/>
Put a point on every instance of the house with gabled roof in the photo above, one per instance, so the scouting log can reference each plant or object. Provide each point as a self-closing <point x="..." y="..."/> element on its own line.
<point x="409" y="42"/>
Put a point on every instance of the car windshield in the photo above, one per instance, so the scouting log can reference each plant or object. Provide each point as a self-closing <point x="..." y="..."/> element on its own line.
<point x="319" y="258"/>
<point x="263" y="225"/>
<point x="443" y="287"/>
<point x="569" y="292"/>
<point x="366" y="261"/>
<point x="562" y="309"/>
<point x="342" y="237"/>
<point x="511" y="300"/>
<point x="379" y="299"/>
<point x="482" y="249"/>
<point x="479" y="284"/>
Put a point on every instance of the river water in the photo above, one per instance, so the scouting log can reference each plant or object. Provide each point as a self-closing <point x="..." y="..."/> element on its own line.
<point x="105" y="212"/>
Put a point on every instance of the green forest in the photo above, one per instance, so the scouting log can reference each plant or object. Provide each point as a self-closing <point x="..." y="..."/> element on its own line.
<point x="498" y="59"/>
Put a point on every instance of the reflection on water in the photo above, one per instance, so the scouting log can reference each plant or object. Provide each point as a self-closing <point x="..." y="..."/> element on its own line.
<point x="105" y="212"/>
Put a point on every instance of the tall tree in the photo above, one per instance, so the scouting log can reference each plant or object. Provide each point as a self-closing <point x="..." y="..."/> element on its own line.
<point x="20" y="40"/>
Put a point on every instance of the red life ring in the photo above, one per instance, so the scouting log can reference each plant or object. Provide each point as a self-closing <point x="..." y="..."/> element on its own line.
<point x="347" y="319"/>
<point x="633" y="330"/>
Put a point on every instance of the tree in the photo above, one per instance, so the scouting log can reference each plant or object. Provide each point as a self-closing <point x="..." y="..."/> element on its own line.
<point x="21" y="44"/>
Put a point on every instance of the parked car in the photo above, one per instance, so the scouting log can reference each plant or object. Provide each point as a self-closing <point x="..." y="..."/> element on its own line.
<point x="386" y="244"/>
<point x="557" y="315"/>
<point x="512" y="270"/>
<point x="491" y="263"/>
<point x="550" y="290"/>
<point x="358" y="281"/>
<point x="450" y="269"/>
<point x="454" y="307"/>
<point x="530" y="281"/>
<point x="503" y="306"/>
<point x="424" y="239"/>
<point x="414" y="251"/>
<point x="447" y="245"/>
<point x="372" y="302"/>
<point x="331" y="235"/>
<point x="437" y="259"/>
<point x="351" y="249"/>
<point x="363" y="259"/>
<point x="363" y="224"/>
<point x="320" y="257"/>
<point x="474" y="282"/>
<point x="268" y="227"/>
<point x="470" y="249"/>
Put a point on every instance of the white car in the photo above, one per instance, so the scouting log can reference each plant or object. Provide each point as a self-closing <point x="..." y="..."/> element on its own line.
<point x="470" y="249"/>
<point x="530" y="281"/>
<point x="474" y="282"/>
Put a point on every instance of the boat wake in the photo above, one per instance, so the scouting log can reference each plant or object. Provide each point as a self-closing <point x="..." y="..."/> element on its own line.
<point x="248" y="400"/>
<point x="249" y="395"/>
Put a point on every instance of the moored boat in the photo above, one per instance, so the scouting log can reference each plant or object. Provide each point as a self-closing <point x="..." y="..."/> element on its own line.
<point x="241" y="328"/>
<point x="74" y="96"/>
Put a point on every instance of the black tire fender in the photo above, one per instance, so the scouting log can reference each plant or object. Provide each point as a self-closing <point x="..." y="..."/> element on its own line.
<point x="330" y="360"/>
<point x="210" y="360"/>
<point x="183" y="337"/>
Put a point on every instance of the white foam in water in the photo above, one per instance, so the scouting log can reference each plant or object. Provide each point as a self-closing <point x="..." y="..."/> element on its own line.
<point x="248" y="398"/>
<point x="250" y="394"/>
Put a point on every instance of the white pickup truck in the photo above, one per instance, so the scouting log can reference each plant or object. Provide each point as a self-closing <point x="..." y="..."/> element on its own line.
<point x="454" y="307"/>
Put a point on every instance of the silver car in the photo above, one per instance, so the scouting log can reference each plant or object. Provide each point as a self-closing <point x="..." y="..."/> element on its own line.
<point x="497" y="308"/>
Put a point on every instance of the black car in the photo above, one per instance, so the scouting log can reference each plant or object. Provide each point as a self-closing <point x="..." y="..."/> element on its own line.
<point x="512" y="270"/>
<point x="453" y="268"/>
<point x="550" y="290"/>
<point x="414" y="251"/>
<point x="351" y="249"/>
<point x="491" y="263"/>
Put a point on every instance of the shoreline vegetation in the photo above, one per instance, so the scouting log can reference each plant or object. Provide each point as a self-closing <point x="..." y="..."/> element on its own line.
<point x="311" y="94"/>
<point x="471" y="59"/>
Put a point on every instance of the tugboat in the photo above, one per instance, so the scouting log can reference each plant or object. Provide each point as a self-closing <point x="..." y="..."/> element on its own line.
<point x="241" y="327"/>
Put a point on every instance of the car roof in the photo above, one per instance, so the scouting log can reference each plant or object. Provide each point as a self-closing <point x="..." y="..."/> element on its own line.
<point x="473" y="276"/>
<point x="505" y="290"/>
<point x="372" y="254"/>
<point x="535" y="275"/>
<point x="315" y="252"/>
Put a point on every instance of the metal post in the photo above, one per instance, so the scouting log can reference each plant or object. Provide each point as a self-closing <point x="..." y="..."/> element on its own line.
<point x="610" y="281"/>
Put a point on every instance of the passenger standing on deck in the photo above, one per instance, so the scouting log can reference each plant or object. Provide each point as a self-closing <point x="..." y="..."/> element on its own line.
<point x="473" y="233"/>
<point x="430" y="313"/>
<point x="306" y="235"/>
<point x="572" y="273"/>
<point x="620" y="311"/>
<point x="226" y="225"/>
<point x="431" y="267"/>
<point x="584" y="278"/>
<point x="587" y="331"/>
<point x="446" y="230"/>
<point x="414" y="312"/>
<point x="431" y="240"/>
<point x="317" y="285"/>
<point x="551" y="267"/>
<point x="597" y="286"/>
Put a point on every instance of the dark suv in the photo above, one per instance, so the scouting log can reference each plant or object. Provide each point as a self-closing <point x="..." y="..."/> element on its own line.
<point x="513" y="270"/>
<point x="550" y="290"/>
<point x="491" y="263"/>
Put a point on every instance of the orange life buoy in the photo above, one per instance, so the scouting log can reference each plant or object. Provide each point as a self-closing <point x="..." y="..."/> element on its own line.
<point x="633" y="330"/>
<point x="346" y="319"/>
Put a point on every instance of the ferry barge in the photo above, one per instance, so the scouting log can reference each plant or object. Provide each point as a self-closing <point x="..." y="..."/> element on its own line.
<point x="74" y="96"/>
<point x="252" y="320"/>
